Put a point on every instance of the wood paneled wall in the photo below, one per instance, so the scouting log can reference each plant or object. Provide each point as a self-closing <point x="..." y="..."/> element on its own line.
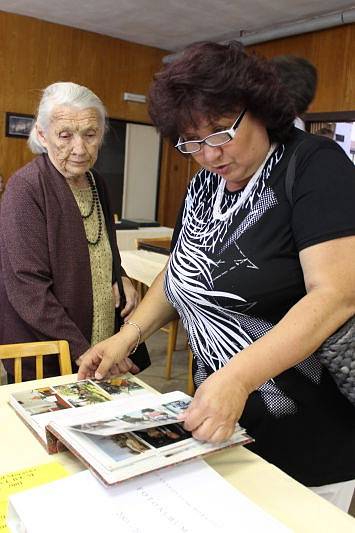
<point x="332" y="52"/>
<point x="35" y="53"/>
<point x="176" y="170"/>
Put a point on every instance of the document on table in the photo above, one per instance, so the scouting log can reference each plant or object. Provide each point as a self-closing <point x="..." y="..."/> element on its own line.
<point x="181" y="499"/>
<point x="20" y="480"/>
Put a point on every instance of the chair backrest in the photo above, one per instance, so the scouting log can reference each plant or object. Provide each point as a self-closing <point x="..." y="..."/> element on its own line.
<point x="37" y="350"/>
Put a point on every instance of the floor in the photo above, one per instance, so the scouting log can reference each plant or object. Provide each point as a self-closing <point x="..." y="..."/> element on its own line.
<point x="155" y="374"/>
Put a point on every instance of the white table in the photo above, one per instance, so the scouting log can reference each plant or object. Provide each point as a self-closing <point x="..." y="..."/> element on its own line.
<point x="143" y="266"/>
<point x="285" y="499"/>
<point x="126" y="238"/>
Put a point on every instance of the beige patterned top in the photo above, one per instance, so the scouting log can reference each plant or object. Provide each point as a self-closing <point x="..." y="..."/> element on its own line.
<point x="101" y="268"/>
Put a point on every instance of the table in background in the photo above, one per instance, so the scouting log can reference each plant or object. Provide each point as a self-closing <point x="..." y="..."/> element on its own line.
<point x="275" y="492"/>
<point x="126" y="238"/>
<point x="143" y="266"/>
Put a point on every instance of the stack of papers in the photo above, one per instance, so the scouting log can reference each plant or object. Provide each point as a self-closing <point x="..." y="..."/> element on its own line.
<point x="186" y="498"/>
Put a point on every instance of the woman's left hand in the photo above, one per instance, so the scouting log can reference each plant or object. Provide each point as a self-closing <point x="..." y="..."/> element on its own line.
<point x="217" y="406"/>
<point x="130" y="295"/>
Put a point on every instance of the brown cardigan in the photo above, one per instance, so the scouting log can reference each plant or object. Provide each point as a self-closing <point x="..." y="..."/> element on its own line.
<point x="45" y="277"/>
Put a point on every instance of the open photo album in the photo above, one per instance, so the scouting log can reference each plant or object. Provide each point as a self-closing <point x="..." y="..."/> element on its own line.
<point x="118" y="431"/>
<point x="37" y="407"/>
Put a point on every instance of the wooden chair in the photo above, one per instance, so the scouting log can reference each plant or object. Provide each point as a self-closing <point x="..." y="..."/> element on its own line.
<point x="190" y="382"/>
<point x="37" y="350"/>
<point x="172" y="330"/>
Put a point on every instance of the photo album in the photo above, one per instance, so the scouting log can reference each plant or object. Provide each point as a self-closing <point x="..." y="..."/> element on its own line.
<point x="117" y="428"/>
<point x="37" y="407"/>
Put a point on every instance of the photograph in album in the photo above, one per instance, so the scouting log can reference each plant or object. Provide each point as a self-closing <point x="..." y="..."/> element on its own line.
<point x="132" y="421"/>
<point x="172" y="435"/>
<point x="43" y="400"/>
<point x="119" y="386"/>
<point x="82" y="393"/>
<point x="122" y="449"/>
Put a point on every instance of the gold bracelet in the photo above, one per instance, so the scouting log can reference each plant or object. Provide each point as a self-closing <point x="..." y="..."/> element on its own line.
<point x="138" y="328"/>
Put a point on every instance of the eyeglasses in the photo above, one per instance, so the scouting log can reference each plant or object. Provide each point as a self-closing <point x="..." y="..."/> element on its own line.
<point x="215" y="139"/>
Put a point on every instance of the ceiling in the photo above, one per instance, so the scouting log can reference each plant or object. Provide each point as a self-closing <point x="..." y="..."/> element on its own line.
<point x="172" y="24"/>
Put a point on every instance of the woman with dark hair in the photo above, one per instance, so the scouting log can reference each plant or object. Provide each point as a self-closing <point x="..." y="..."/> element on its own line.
<point x="259" y="280"/>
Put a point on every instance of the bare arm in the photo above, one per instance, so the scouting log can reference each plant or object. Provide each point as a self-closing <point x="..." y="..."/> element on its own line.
<point x="152" y="313"/>
<point x="329" y="276"/>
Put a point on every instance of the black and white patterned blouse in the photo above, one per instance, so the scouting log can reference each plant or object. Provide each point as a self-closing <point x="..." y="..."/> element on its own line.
<point x="234" y="272"/>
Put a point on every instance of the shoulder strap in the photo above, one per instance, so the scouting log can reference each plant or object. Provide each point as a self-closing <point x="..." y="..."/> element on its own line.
<point x="309" y="145"/>
<point x="291" y="173"/>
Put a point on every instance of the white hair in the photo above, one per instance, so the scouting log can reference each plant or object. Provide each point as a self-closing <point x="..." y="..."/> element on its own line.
<point x="62" y="93"/>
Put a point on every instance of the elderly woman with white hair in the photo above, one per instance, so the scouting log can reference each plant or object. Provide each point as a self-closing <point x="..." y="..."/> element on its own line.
<point x="60" y="268"/>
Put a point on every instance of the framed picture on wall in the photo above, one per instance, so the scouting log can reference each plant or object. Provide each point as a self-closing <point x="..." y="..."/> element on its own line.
<point x="18" y="125"/>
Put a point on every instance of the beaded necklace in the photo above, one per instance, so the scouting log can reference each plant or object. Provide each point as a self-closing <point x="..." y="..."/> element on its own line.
<point x="95" y="203"/>
<point x="217" y="213"/>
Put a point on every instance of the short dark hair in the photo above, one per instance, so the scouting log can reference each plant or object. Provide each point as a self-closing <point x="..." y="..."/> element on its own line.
<point x="211" y="80"/>
<point x="327" y="131"/>
<point x="299" y="77"/>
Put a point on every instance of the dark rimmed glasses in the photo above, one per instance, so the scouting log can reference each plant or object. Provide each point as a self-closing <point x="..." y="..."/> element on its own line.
<point x="215" y="139"/>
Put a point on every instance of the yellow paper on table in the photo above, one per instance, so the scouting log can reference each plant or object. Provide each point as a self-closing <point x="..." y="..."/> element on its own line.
<point x="3" y="515"/>
<point x="25" y="479"/>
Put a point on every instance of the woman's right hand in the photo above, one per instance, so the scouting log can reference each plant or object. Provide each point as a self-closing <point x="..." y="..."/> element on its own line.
<point x="107" y="358"/>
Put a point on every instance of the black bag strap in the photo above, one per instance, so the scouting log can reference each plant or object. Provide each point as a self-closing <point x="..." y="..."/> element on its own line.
<point x="291" y="173"/>
<point x="309" y="144"/>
